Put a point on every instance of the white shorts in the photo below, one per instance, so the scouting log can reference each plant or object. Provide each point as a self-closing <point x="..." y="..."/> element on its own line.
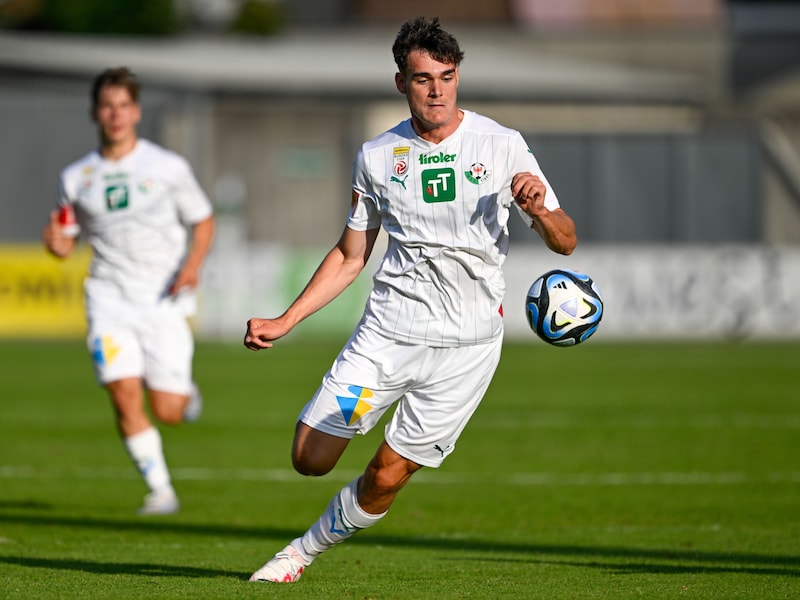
<point x="438" y="390"/>
<point x="126" y="340"/>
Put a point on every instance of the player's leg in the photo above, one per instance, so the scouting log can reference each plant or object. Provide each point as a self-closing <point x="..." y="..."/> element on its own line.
<point x="386" y="474"/>
<point x="127" y="399"/>
<point x="426" y="425"/>
<point x="358" y="505"/>
<point x="315" y="452"/>
<point x="366" y="379"/>
<point x="142" y="441"/>
<point x="168" y="407"/>
<point x="168" y="352"/>
<point x="114" y="342"/>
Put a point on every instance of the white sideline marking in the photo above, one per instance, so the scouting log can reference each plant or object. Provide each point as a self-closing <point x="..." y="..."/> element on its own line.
<point x="427" y="476"/>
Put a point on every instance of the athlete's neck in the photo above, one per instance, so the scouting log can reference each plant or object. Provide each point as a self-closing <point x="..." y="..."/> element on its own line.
<point x="117" y="150"/>
<point x="438" y="134"/>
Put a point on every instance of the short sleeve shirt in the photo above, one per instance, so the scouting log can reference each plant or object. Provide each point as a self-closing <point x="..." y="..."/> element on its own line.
<point x="445" y="208"/>
<point x="134" y="213"/>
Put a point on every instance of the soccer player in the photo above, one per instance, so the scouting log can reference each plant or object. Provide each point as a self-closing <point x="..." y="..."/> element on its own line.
<point x="150" y="227"/>
<point x="442" y="185"/>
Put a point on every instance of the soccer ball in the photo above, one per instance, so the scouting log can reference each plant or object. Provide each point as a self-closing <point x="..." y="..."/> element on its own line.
<point x="564" y="307"/>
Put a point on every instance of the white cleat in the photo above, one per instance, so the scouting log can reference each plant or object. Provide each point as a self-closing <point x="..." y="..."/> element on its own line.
<point x="194" y="407"/>
<point x="285" y="567"/>
<point x="160" y="503"/>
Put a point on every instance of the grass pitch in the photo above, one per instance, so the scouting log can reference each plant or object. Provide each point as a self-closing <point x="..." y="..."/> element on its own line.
<point x="602" y="471"/>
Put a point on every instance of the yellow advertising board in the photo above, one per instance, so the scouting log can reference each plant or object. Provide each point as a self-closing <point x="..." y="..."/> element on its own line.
<point x="41" y="296"/>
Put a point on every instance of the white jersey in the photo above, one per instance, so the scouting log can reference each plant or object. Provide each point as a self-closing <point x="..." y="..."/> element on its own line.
<point x="445" y="208"/>
<point x="134" y="213"/>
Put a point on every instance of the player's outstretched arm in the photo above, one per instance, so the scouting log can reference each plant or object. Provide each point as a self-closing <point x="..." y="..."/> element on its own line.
<point x="338" y="269"/>
<point x="54" y="239"/>
<point x="555" y="227"/>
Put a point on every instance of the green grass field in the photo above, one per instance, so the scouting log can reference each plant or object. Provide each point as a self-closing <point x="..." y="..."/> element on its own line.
<point x="604" y="471"/>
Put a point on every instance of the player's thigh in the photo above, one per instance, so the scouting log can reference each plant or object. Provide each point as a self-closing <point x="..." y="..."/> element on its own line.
<point x="168" y="349"/>
<point x="433" y="413"/>
<point x="315" y="452"/>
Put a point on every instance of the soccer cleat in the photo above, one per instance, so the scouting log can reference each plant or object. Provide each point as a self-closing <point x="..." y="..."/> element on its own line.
<point x="160" y="503"/>
<point x="194" y="407"/>
<point x="285" y="567"/>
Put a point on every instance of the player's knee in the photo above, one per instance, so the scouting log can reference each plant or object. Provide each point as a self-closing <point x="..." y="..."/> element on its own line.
<point x="386" y="480"/>
<point x="389" y="477"/>
<point x="311" y="466"/>
<point x="169" y="415"/>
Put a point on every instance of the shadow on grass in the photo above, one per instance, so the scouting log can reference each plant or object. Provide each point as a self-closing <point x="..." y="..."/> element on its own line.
<point x="642" y="560"/>
<point x="699" y="564"/>
<point x="110" y="568"/>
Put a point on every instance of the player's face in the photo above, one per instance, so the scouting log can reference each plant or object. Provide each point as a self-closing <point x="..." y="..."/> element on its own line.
<point x="431" y="90"/>
<point x="116" y="115"/>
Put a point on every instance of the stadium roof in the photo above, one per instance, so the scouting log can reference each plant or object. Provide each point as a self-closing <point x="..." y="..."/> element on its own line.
<point x="499" y="65"/>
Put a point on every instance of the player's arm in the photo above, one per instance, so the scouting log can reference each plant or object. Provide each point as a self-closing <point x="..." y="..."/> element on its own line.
<point x="555" y="227"/>
<point x="54" y="239"/>
<point x="338" y="269"/>
<point x="200" y="244"/>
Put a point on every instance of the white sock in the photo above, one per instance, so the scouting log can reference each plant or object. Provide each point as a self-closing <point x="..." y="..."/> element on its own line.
<point x="147" y="454"/>
<point x="343" y="517"/>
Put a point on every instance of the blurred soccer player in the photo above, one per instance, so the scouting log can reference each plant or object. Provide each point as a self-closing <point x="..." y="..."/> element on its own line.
<point x="441" y="184"/>
<point x="150" y="227"/>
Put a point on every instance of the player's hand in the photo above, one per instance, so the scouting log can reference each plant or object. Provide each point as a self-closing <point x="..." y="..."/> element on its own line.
<point x="529" y="191"/>
<point x="262" y="332"/>
<point x="187" y="278"/>
<point x="54" y="239"/>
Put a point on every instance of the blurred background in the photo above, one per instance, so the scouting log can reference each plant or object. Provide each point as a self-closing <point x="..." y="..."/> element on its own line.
<point x="669" y="129"/>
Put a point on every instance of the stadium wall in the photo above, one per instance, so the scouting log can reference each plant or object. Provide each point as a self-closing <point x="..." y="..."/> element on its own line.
<point x="703" y="293"/>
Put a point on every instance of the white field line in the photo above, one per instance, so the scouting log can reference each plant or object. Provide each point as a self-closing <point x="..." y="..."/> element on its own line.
<point x="559" y="420"/>
<point x="425" y="476"/>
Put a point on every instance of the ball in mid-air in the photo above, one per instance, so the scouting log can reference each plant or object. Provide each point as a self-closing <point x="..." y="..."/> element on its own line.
<point x="564" y="307"/>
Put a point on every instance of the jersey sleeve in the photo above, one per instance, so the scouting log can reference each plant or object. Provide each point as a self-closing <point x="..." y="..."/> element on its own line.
<point x="64" y="193"/>
<point x="192" y="202"/>
<point x="364" y="213"/>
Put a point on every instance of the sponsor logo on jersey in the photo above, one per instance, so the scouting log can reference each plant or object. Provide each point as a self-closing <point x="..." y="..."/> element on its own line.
<point x="146" y="186"/>
<point x="400" y="165"/>
<point x="117" y="196"/>
<point x="402" y="181"/>
<point x="400" y="160"/>
<point x="354" y="407"/>
<point x="425" y="159"/>
<point x="478" y="173"/>
<point x="438" y="185"/>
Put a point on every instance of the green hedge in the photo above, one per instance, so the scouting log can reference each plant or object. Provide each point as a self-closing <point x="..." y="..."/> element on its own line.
<point x="104" y="17"/>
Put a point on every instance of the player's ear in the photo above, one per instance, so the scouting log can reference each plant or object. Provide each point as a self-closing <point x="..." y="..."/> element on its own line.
<point x="400" y="82"/>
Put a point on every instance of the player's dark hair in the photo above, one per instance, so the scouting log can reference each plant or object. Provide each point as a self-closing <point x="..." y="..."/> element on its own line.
<point x="118" y="77"/>
<point x="425" y="34"/>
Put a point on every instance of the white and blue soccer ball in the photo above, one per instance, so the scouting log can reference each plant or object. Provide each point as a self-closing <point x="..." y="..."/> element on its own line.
<point x="564" y="307"/>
